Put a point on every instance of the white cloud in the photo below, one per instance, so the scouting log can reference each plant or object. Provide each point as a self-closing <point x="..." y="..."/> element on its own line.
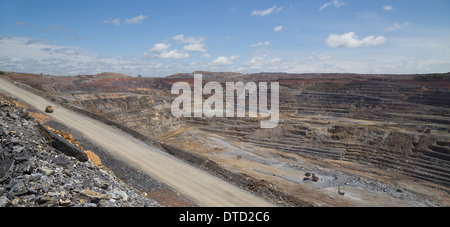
<point x="260" y="44"/>
<point x="315" y="57"/>
<point x="193" y="44"/>
<point x="388" y="8"/>
<point x="266" y="12"/>
<point x="197" y="47"/>
<point x="179" y="38"/>
<point x="278" y="28"/>
<point x="160" y="47"/>
<point x="116" y="22"/>
<point x="335" y="3"/>
<point x="136" y="20"/>
<point x="222" y="60"/>
<point x="173" y="54"/>
<point x="397" y="26"/>
<point x="234" y="57"/>
<point x="24" y="54"/>
<point x="19" y="23"/>
<point x="191" y="40"/>
<point x="263" y="63"/>
<point x="408" y="55"/>
<point x="350" y="40"/>
<point x="62" y="51"/>
<point x="161" y="50"/>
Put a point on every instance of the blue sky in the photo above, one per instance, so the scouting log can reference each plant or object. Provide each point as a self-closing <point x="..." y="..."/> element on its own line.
<point x="158" y="38"/>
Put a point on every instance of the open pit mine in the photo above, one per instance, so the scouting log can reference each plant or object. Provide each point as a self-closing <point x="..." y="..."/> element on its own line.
<point x="341" y="140"/>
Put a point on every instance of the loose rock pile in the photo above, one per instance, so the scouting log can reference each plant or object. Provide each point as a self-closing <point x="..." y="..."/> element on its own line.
<point x="34" y="174"/>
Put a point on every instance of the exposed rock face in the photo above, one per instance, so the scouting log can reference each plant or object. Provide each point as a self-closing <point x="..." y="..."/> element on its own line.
<point x="32" y="173"/>
<point x="392" y="122"/>
<point x="399" y="123"/>
<point x="62" y="144"/>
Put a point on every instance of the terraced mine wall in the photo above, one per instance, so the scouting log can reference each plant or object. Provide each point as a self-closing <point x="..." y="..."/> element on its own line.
<point x="259" y="187"/>
<point x="410" y="135"/>
<point x="395" y="122"/>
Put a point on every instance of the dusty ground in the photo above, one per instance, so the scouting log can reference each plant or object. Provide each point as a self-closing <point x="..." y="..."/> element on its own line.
<point x="167" y="198"/>
<point x="383" y="140"/>
<point x="361" y="184"/>
<point x="196" y="185"/>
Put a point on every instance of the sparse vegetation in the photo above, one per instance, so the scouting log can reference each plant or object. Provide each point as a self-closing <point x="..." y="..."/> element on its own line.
<point x="2" y="73"/>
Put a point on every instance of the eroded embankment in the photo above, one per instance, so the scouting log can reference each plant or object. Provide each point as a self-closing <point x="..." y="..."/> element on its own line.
<point x="35" y="171"/>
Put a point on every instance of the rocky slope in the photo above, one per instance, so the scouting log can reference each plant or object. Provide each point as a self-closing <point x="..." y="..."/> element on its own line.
<point x="393" y="123"/>
<point x="32" y="173"/>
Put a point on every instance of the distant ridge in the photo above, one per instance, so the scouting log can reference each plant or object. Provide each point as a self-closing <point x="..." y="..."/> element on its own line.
<point x="107" y="75"/>
<point x="206" y="74"/>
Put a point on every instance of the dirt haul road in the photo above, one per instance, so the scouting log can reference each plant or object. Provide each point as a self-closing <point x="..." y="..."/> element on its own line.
<point x="199" y="187"/>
